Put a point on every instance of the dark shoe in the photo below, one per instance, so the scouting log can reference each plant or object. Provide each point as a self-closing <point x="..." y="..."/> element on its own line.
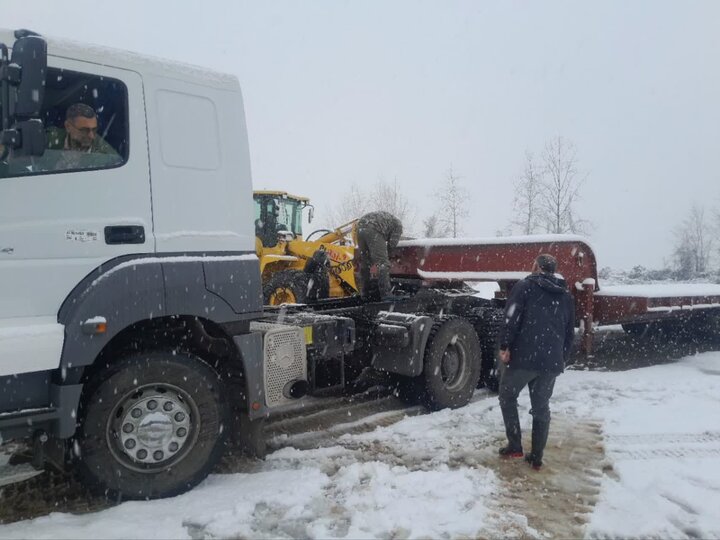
<point x="510" y="452"/>
<point x="534" y="461"/>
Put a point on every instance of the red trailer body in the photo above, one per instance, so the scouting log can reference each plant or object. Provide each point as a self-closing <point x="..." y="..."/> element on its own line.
<point x="506" y="260"/>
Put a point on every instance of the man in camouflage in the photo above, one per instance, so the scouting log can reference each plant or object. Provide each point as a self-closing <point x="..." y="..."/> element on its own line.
<point x="78" y="138"/>
<point x="378" y="233"/>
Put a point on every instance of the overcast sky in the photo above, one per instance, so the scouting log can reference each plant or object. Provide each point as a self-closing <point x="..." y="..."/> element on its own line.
<point x="339" y="92"/>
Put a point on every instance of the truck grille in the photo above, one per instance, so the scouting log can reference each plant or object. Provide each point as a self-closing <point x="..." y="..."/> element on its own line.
<point x="285" y="359"/>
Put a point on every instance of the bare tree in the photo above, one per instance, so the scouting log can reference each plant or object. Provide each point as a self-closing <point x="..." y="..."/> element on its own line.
<point x="351" y="206"/>
<point x="388" y="196"/>
<point x="432" y="228"/>
<point x="453" y="199"/>
<point x="561" y="189"/>
<point x="380" y="196"/>
<point x="693" y="244"/>
<point x="527" y="209"/>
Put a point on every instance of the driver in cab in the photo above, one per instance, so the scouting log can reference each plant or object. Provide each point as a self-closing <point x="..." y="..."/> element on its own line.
<point x="80" y="137"/>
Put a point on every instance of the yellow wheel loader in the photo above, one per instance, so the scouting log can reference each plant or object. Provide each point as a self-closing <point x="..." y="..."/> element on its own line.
<point x="298" y="270"/>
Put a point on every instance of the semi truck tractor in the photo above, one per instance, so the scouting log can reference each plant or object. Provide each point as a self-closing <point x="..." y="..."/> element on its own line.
<point x="134" y="345"/>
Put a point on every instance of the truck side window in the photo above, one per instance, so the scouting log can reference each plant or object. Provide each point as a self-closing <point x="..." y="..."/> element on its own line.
<point x="86" y="126"/>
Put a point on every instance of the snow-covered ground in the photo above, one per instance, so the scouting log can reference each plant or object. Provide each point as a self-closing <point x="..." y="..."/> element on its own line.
<point x="654" y="473"/>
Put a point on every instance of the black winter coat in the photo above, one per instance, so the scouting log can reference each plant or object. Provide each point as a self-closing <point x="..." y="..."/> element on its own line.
<point x="539" y="324"/>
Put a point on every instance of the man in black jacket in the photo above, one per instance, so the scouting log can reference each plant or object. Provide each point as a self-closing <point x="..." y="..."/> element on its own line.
<point x="535" y="344"/>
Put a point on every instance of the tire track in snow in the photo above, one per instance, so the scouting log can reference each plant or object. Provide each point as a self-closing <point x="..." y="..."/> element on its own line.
<point x="640" y="438"/>
<point x="646" y="446"/>
<point x="663" y="453"/>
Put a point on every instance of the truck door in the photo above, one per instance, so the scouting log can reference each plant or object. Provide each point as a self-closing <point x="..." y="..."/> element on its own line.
<point x="84" y="202"/>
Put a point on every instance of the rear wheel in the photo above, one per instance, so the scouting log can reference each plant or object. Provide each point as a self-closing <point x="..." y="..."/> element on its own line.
<point x="152" y="426"/>
<point x="452" y="363"/>
<point x="488" y="328"/>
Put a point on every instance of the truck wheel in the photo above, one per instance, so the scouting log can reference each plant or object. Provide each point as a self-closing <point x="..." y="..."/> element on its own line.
<point x="152" y="425"/>
<point x="291" y="287"/>
<point x="452" y="363"/>
<point x="488" y="328"/>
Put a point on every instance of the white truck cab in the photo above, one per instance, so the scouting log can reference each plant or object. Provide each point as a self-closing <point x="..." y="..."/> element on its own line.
<point x="125" y="235"/>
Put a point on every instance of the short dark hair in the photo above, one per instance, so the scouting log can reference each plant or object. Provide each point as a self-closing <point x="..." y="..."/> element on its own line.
<point x="547" y="263"/>
<point x="79" y="109"/>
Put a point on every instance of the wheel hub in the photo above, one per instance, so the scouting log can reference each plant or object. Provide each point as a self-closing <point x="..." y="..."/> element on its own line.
<point x="282" y="296"/>
<point x="450" y="365"/>
<point x="153" y="427"/>
<point x="454" y="368"/>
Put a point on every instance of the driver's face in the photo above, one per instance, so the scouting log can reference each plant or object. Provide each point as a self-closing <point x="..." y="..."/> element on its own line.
<point x="81" y="131"/>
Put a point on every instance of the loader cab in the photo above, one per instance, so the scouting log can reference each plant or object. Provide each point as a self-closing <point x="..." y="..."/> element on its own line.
<point x="279" y="216"/>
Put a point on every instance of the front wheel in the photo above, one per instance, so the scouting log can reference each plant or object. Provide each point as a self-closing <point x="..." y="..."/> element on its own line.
<point x="153" y="425"/>
<point x="293" y="287"/>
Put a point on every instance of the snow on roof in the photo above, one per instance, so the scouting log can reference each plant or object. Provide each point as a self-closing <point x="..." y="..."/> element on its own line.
<point x="662" y="290"/>
<point x="108" y="56"/>
<point x="528" y="239"/>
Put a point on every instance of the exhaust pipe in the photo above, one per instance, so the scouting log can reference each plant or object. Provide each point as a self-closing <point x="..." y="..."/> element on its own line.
<point x="296" y="389"/>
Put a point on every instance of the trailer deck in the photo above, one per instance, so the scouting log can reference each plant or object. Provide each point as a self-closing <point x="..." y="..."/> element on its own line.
<point x="506" y="260"/>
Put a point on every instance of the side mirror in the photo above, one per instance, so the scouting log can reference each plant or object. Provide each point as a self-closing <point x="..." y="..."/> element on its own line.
<point x="30" y="53"/>
<point x="311" y="213"/>
<point x="22" y="90"/>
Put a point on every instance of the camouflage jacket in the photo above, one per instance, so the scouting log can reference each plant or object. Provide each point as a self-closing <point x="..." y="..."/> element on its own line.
<point x="100" y="155"/>
<point x="56" y="138"/>
<point x="385" y="223"/>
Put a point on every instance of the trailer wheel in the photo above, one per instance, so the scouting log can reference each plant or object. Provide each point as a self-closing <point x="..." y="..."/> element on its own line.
<point x="635" y="329"/>
<point x="292" y="287"/>
<point x="152" y="425"/>
<point x="452" y="363"/>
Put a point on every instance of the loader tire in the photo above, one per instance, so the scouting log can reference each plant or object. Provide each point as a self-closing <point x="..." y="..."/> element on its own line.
<point x="152" y="425"/>
<point x="452" y="363"/>
<point x="292" y="287"/>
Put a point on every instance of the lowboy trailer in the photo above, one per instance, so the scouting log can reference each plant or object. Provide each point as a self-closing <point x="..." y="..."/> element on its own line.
<point x="506" y="260"/>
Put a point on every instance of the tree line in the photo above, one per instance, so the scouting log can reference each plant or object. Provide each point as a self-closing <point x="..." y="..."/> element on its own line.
<point x="545" y="201"/>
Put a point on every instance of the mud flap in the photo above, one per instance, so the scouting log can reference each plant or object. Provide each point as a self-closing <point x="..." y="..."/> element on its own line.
<point x="252" y="437"/>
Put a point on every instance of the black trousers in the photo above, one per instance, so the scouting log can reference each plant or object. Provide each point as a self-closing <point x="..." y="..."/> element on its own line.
<point x="541" y="387"/>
